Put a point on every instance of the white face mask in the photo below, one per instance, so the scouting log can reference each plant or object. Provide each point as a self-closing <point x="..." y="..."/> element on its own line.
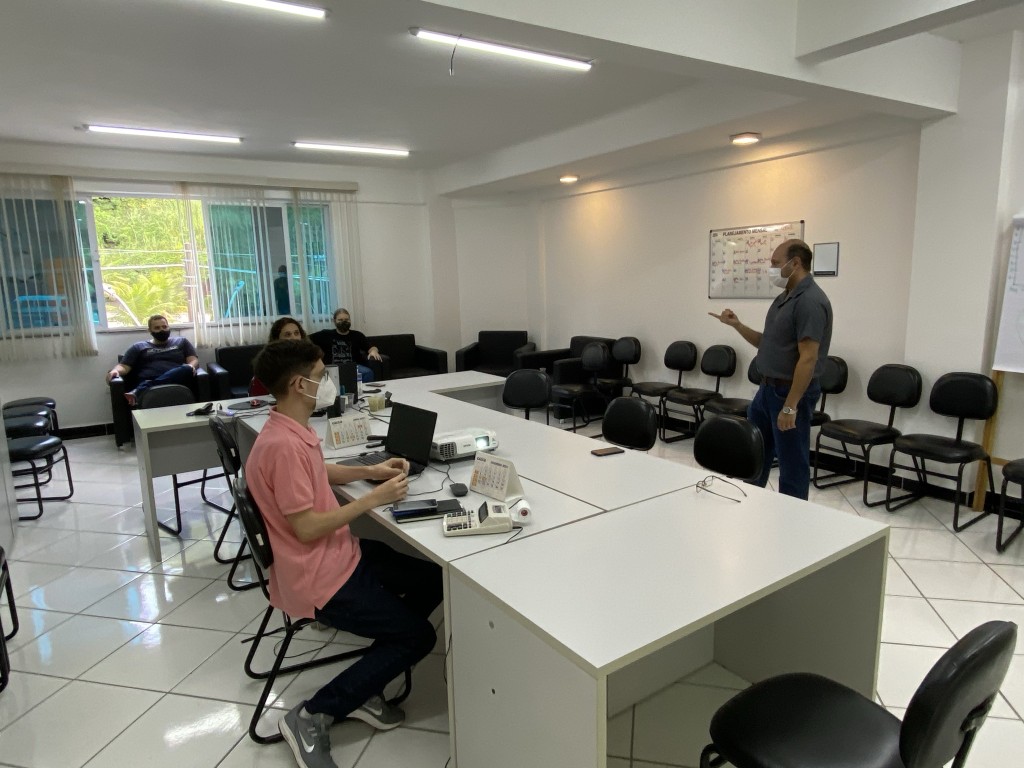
<point x="775" y="276"/>
<point x="326" y="392"/>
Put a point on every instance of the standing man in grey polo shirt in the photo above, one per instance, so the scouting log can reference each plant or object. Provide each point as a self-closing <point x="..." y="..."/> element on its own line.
<point x="791" y="354"/>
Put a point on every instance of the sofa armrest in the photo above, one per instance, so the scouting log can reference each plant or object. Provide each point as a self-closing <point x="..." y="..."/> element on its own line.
<point x="432" y="359"/>
<point x="377" y="366"/>
<point x="467" y="357"/>
<point x="120" y="412"/>
<point x="220" y="381"/>
<point x="204" y="385"/>
<point x="568" y="370"/>
<point x="541" y="360"/>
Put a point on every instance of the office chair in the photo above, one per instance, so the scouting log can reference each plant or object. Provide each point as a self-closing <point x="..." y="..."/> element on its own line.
<point x="730" y="446"/>
<point x="595" y="359"/>
<point x="631" y="423"/>
<point x="1013" y="472"/>
<point x="681" y="356"/>
<point x="832" y="381"/>
<point x="231" y="463"/>
<point x="735" y="406"/>
<point x="718" y="361"/>
<point x="8" y="589"/>
<point x="962" y="396"/>
<point x="255" y="531"/>
<point x="161" y="396"/>
<point x="801" y="720"/>
<point x="897" y="386"/>
<point x="528" y="389"/>
<point x="42" y="453"/>
<point x="626" y="352"/>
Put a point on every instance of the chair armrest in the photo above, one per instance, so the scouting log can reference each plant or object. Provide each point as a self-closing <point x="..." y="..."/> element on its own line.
<point x="432" y="359"/>
<point x="204" y="385"/>
<point x="467" y="357"/>
<point x="542" y="360"/>
<point x="220" y="381"/>
<point x="385" y="367"/>
<point x="568" y="370"/>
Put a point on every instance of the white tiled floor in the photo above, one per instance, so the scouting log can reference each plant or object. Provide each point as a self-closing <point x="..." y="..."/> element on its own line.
<point x="121" y="660"/>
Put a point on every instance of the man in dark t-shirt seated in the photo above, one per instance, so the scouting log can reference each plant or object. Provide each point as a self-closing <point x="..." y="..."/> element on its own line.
<point x="164" y="360"/>
<point x="342" y="345"/>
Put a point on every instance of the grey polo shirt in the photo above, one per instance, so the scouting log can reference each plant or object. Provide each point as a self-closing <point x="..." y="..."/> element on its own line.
<point x="803" y="313"/>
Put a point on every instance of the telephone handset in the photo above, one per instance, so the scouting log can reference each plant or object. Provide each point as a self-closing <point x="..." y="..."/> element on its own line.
<point x="205" y="410"/>
<point x="490" y="517"/>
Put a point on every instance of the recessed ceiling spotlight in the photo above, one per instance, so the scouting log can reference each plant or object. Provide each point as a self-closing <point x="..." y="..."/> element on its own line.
<point x="569" y="178"/>
<point x="157" y="134"/>
<point x="501" y="50"/>
<point x="745" y="139"/>
<point x="276" y="5"/>
<point x="350" y="148"/>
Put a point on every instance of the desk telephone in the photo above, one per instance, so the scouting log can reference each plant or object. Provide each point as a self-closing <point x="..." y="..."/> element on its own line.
<point x="490" y="517"/>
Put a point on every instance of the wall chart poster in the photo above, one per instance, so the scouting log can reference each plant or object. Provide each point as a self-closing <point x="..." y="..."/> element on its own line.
<point x="1010" y="341"/>
<point x="740" y="257"/>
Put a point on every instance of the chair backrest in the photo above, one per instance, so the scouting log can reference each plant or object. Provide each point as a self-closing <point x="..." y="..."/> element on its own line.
<point x="626" y="350"/>
<point x="753" y="375"/>
<point x="577" y="343"/>
<point x="526" y="388"/>
<point x="166" y="394"/>
<point x="681" y="356"/>
<point x="227" y="448"/>
<point x="834" y="375"/>
<point x="730" y="446"/>
<point x="895" y="385"/>
<point x="237" y="361"/>
<point x="496" y="347"/>
<point x="253" y="527"/>
<point x="955" y="696"/>
<point x="718" y="360"/>
<point x="630" y="422"/>
<point x="964" y="396"/>
<point x="595" y="358"/>
<point x="400" y="347"/>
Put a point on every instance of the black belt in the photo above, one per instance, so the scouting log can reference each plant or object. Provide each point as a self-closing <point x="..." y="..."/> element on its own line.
<point x="776" y="382"/>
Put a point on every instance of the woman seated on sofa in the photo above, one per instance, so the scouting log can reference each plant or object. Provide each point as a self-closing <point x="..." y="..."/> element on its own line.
<point x="283" y="329"/>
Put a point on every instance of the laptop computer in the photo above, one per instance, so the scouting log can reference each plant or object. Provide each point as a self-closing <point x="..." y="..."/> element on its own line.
<point x="410" y="433"/>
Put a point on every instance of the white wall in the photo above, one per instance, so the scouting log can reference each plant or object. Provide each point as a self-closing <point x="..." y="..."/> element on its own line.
<point x="634" y="261"/>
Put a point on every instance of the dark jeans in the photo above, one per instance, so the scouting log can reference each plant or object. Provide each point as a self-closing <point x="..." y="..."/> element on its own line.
<point x="388" y="598"/>
<point x="182" y="374"/>
<point x="793" y="447"/>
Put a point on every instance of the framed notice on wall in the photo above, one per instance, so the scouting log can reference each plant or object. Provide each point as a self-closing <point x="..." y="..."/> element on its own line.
<point x="740" y="257"/>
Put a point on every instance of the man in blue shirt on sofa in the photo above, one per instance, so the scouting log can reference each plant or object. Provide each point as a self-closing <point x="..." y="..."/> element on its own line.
<point x="164" y="360"/>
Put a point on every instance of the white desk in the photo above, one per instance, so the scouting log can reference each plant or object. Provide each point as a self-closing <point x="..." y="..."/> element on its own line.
<point x="620" y="605"/>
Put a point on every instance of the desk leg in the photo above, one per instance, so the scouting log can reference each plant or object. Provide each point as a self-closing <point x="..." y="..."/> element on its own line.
<point x="148" y="494"/>
<point x="520" y="701"/>
<point x="449" y="663"/>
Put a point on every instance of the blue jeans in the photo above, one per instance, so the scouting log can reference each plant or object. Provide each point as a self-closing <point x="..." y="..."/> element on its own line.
<point x="181" y="374"/>
<point x="388" y="598"/>
<point x="366" y="372"/>
<point x="793" y="447"/>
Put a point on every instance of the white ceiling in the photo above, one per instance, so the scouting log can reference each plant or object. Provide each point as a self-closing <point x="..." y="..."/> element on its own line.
<point x="359" y="77"/>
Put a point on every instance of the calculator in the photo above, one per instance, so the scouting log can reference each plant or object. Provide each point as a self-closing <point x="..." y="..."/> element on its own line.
<point x="489" y="517"/>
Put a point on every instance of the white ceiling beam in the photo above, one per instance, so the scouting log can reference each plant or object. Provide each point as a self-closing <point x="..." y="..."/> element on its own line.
<point x="828" y="29"/>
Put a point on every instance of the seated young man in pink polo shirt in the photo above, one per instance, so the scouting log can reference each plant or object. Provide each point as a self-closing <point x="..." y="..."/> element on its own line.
<point x="321" y="571"/>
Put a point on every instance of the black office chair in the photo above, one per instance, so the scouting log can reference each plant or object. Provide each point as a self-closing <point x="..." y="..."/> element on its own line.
<point x="528" y="389"/>
<point x="595" y="359"/>
<point x="962" y="396"/>
<point x="231" y="463"/>
<point x="41" y="453"/>
<point x="8" y="589"/>
<point x="894" y="385"/>
<point x="29" y="405"/>
<point x="730" y="446"/>
<point x="681" y="357"/>
<point x="718" y="361"/>
<point x="1013" y="472"/>
<point x="626" y="352"/>
<point x="832" y="381"/>
<point x="801" y="720"/>
<point x="162" y="396"/>
<point x="631" y="423"/>
<point x="256" y="536"/>
<point x="735" y="406"/>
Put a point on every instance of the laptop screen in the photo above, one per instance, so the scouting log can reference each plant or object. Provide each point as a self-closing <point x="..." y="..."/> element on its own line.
<point x="410" y="433"/>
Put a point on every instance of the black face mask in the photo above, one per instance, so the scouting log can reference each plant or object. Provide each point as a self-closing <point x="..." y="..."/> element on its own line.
<point x="161" y="336"/>
<point x="343" y="326"/>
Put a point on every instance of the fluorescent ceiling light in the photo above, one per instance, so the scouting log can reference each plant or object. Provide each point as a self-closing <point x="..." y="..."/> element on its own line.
<point x="745" y="139"/>
<point x="275" y="5"/>
<point x="163" y="134"/>
<point x="350" y="148"/>
<point x="503" y="50"/>
<point x="569" y="178"/>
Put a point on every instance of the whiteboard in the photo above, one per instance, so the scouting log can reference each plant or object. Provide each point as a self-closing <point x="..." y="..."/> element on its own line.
<point x="1010" y="341"/>
<point x="740" y="257"/>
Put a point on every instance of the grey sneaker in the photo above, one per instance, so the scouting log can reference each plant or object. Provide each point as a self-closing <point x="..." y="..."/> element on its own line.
<point x="378" y="713"/>
<point x="308" y="737"/>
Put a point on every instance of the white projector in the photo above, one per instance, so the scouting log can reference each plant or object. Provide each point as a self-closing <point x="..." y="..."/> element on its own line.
<point x="462" y="443"/>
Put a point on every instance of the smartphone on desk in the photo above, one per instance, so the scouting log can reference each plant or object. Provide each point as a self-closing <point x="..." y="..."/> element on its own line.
<point x="609" y="451"/>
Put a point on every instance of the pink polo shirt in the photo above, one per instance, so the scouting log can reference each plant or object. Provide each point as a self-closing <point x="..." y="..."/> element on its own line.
<point x="286" y="474"/>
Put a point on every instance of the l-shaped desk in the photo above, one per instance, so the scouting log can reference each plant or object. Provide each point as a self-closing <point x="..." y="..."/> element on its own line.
<point x="626" y="580"/>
